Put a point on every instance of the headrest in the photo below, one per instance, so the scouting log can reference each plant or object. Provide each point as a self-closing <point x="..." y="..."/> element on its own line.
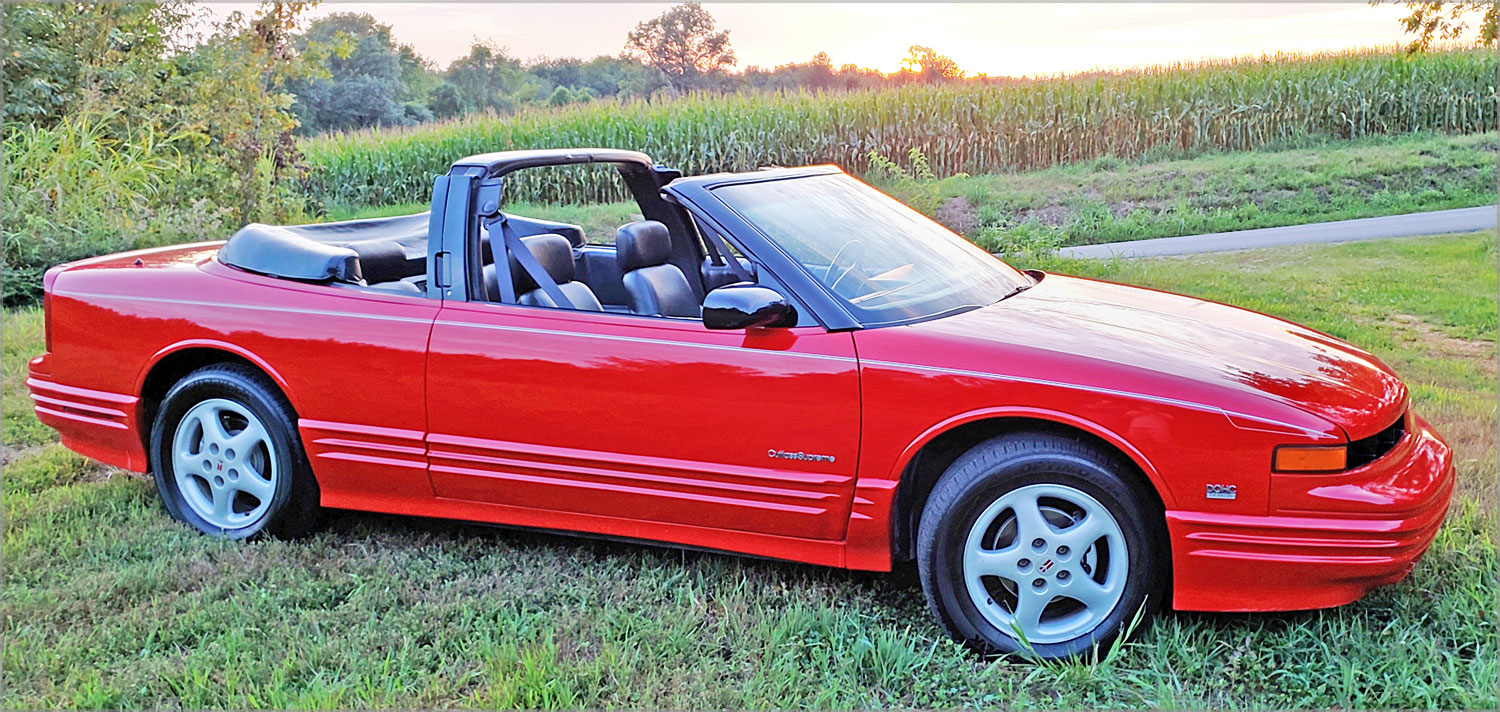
<point x="380" y="260"/>
<point x="642" y="244"/>
<point x="553" y="251"/>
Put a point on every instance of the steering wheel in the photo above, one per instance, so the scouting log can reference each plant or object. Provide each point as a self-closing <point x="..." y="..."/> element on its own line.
<point x="853" y="262"/>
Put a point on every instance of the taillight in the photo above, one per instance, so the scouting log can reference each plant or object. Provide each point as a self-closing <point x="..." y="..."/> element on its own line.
<point x="49" y="282"/>
<point x="1310" y="458"/>
<point x="47" y="319"/>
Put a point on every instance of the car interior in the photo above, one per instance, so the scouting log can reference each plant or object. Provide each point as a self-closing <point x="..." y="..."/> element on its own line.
<point x="648" y="271"/>
<point x="636" y="275"/>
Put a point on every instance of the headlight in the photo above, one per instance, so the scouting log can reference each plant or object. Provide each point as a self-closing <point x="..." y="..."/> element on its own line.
<point x="1310" y="458"/>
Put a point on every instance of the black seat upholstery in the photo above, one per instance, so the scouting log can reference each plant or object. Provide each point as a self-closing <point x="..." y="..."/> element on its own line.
<point x="653" y="287"/>
<point x="383" y="265"/>
<point x="556" y="256"/>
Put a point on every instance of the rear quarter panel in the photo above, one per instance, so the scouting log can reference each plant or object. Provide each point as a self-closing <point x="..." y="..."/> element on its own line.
<point x="350" y="361"/>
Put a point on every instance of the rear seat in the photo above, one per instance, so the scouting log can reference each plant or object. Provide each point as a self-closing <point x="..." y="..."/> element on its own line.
<point x="383" y="265"/>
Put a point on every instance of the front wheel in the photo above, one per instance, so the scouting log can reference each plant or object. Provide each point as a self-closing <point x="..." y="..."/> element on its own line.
<point x="227" y="458"/>
<point x="1039" y="543"/>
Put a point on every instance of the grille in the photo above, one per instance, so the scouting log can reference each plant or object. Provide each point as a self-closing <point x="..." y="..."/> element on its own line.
<point x="1367" y="450"/>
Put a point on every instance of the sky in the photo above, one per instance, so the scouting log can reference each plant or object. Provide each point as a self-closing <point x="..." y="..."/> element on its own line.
<point x="1012" y="39"/>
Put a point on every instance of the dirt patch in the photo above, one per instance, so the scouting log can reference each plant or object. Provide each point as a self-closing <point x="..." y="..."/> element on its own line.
<point x="958" y="215"/>
<point x="1123" y="208"/>
<point x="99" y="472"/>
<point x="1053" y="215"/>
<point x="10" y="454"/>
<point x="1414" y="329"/>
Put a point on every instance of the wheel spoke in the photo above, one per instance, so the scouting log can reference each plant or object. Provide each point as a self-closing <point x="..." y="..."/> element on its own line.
<point x="987" y="562"/>
<point x="1030" y="524"/>
<point x="184" y="463"/>
<point x="245" y="440"/>
<point x="1029" y="607"/>
<point x="213" y="426"/>
<point x="251" y="482"/>
<point x="223" y="497"/>
<point x="1083" y="533"/>
<point x="1090" y="593"/>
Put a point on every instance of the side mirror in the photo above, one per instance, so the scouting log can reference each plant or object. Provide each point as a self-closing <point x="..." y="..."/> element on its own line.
<point x="744" y="305"/>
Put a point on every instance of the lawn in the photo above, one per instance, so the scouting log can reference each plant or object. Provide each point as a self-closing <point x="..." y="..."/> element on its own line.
<point x="108" y="603"/>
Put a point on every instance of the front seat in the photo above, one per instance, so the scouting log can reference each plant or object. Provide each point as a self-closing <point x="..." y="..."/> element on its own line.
<point x="556" y="255"/>
<point x="653" y="287"/>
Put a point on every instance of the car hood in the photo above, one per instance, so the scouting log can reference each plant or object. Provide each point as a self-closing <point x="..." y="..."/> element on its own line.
<point x="1182" y="348"/>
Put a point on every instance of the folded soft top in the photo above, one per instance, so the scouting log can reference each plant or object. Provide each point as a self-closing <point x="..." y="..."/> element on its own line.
<point x="374" y="250"/>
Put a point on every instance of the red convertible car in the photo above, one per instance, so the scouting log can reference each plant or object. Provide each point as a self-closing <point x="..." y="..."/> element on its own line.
<point x="785" y="363"/>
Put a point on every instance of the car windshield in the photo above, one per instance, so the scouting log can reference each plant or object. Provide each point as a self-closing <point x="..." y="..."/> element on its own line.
<point x="887" y="261"/>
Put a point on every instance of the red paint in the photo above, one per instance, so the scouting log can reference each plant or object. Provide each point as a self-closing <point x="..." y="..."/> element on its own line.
<point x="663" y="430"/>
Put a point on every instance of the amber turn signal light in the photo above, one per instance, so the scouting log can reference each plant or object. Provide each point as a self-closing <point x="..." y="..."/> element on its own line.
<point x="1316" y="458"/>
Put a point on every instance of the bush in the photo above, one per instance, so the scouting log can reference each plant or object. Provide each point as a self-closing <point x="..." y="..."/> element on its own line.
<point x="73" y="191"/>
<point x="151" y="145"/>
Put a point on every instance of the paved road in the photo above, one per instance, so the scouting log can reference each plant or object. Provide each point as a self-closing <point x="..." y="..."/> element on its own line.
<point x="1433" y="223"/>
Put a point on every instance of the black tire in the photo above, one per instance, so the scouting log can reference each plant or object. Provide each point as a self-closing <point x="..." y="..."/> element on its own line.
<point x="1001" y="465"/>
<point x="293" y="508"/>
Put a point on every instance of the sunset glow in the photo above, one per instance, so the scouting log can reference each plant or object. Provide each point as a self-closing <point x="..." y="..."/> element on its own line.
<point x="997" y="39"/>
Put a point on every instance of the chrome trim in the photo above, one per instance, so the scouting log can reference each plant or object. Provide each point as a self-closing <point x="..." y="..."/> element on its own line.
<point x="253" y="307"/>
<point x="1091" y="389"/>
<point x="643" y="340"/>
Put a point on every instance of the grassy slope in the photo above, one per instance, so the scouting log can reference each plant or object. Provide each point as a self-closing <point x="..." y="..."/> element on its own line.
<point x="106" y="602"/>
<point x="1110" y="201"/>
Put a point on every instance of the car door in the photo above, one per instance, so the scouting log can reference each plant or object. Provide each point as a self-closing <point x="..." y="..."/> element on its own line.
<point x="644" y="419"/>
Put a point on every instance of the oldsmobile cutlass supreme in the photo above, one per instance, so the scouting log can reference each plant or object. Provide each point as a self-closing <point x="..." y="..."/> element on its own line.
<point x="785" y="363"/>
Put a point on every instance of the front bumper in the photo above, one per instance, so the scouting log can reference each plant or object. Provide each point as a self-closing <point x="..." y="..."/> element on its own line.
<point x="1328" y="540"/>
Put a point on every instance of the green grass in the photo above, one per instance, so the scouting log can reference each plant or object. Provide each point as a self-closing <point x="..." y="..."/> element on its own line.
<point x="108" y="603"/>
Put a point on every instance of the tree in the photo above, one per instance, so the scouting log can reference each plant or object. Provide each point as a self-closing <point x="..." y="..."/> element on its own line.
<point x="682" y="44"/>
<point x="445" y="101"/>
<point x="489" y="79"/>
<point x="59" y="55"/>
<point x="365" y="83"/>
<point x="1433" y="20"/>
<point x="238" y="84"/>
<point x="814" y="74"/>
<point x="930" y="66"/>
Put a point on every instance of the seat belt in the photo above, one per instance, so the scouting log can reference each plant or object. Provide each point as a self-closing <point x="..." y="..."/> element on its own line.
<point x="529" y="262"/>
<point x="502" y="263"/>
<point x="718" y="251"/>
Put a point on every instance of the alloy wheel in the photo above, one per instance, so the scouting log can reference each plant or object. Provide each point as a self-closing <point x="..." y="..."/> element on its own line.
<point x="224" y="463"/>
<point x="1047" y="561"/>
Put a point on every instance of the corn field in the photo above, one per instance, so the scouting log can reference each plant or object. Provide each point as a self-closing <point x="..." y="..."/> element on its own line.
<point x="1181" y="109"/>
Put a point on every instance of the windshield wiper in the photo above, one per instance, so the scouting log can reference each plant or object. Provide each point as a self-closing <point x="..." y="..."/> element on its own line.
<point x="1016" y="291"/>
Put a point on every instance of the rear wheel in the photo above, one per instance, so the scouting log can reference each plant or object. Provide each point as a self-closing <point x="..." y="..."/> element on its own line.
<point x="227" y="458"/>
<point x="1039" y="542"/>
